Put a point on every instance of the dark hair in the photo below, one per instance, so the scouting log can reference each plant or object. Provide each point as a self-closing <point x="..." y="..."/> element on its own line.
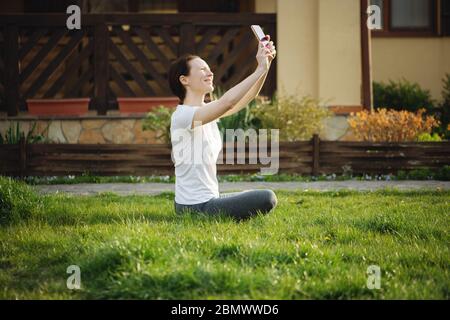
<point x="180" y="67"/>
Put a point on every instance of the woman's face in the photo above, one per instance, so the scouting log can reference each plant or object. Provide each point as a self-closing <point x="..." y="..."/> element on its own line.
<point x="200" y="78"/>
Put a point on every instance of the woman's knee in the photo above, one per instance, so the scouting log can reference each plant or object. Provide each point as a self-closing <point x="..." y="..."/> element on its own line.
<point x="269" y="199"/>
<point x="273" y="200"/>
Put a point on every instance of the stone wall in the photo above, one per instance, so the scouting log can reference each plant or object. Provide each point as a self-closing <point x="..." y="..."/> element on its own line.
<point x="93" y="130"/>
<point x="336" y="128"/>
<point x="129" y="130"/>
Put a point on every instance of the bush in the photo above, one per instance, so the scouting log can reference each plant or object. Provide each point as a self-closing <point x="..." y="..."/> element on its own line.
<point x="244" y="119"/>
<point x="443" y="174"/>
<point x="426" y="137"/>
<point x="297" y="118"/>
<point x="443" y="111"/>
<point x="14" y="134"/>
<point x="390" y="125"/>
<point x="425" y="174"/>
<point x="421" y="174"/>
<point x="18" y="201"/>
<point x="402" y="95"/>
<point x="158" y="120"/>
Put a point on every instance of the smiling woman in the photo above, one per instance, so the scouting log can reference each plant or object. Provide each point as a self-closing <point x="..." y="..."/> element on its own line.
<point x="196" y="139"/>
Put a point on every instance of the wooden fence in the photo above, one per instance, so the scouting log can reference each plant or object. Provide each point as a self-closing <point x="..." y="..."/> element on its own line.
<point x="302" y="157"/>
<point x="120" y="55"/>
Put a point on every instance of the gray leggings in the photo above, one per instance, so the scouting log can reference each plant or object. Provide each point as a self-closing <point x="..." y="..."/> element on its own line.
<point x="240" y="205"/>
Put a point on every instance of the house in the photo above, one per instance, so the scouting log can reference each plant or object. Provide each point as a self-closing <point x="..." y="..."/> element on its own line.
<point x="329" y="57"/>
<point x="324" y="49"/>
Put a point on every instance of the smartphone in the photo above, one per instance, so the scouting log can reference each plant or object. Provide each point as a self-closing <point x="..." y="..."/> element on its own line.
<point x="259" y="33"/>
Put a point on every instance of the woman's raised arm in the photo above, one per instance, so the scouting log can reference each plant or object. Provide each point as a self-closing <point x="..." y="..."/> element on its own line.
<point x="238" y="92"/>
<point x="233" y="96"/>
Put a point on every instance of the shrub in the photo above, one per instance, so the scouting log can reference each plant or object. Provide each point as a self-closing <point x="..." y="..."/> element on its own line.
<point x="390" y="125"/>
<point x="442" y="173"/>
<point x="13" y="135"/>
<point x="421" y="174"/>
<point x="17" y="201"/>
<point x="244" y="119"/>
<point x="401" y="95"/>
<point x="158" y="120"/>
<point x="297" y="118"/>
<point x="426" y="137"/>
<point x="443" y="111"/>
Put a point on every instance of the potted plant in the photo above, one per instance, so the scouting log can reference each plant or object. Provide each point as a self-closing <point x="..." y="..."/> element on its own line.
<point x="143" y="105"/>
<point x="78" y="106"/>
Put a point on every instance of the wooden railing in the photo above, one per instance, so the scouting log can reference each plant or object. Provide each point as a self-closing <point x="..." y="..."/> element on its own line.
<point x="303" y="157"/>
<point x="120" y="55"/>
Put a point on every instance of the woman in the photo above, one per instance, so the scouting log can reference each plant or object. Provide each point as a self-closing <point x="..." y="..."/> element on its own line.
<point x="194" y="121"/>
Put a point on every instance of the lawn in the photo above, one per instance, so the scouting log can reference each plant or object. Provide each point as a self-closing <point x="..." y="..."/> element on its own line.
<point x="313" y="246"/>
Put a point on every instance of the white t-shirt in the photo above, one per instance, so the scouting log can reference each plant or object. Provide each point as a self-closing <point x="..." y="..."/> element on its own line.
<point x="194" y="154"/>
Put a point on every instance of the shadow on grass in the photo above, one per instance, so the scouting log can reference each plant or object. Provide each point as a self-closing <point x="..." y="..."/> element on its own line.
<point x="400" y="227"/>
<point x="110" y="208"/>
<point x="57" y="218"/>
<point x="191" y="283"/>
<point x="64" y="220"/>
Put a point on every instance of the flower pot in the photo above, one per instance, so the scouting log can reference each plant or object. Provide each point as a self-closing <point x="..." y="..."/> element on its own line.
<point x="143" y="105"/>
<point x="58" y="106"/>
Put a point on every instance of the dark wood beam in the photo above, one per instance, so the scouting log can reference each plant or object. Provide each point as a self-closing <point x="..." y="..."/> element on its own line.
<point x="366" y="57"/>
<point x="12" y="69"/>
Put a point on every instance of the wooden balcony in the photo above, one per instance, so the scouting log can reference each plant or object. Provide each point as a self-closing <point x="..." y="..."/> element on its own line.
<point x="120" y="55"/>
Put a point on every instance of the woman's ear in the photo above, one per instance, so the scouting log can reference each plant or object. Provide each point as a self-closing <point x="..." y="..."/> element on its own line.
<point x="183" y="80"/>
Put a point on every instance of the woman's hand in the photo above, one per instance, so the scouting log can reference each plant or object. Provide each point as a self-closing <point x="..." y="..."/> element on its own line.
<point x="266" y="54"/>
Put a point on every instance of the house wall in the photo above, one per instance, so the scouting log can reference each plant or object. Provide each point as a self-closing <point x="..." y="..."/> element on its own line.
<point x="421" y="60"/>
<point x="319" y="54"/>
<point x="339" y="50"/>
<point x="319" y="49"/>
<point x="297" y="48"/>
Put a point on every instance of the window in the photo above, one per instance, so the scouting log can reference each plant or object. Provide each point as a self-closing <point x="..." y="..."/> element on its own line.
<point x="380" y="4"/>
<point x="411" y="14"/>
<point x="408" y="17"/>
<point x="445" y="18"/>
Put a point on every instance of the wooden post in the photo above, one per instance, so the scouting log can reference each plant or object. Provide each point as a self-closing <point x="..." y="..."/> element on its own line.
<point x="316" y="152"/>
<point x="187" y="39"/>
<point x="23" y="156"/>
<point x="366" y="58"/>
<point x="12" y="69"/>
<point x="272" y="76"/>
<point x="101" y="74"/>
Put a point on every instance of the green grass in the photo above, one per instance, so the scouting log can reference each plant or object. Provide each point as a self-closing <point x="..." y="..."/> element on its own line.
<point x="313" y="246"/>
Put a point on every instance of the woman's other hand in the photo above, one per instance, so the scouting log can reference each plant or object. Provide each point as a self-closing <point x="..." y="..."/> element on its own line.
<point x="265" y="54"/>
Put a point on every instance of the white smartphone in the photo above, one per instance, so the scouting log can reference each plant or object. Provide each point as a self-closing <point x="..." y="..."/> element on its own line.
<point x="259" y="33"/>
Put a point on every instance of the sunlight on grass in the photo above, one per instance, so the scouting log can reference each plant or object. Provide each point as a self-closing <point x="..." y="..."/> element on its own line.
<point x="313" y="246"/>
